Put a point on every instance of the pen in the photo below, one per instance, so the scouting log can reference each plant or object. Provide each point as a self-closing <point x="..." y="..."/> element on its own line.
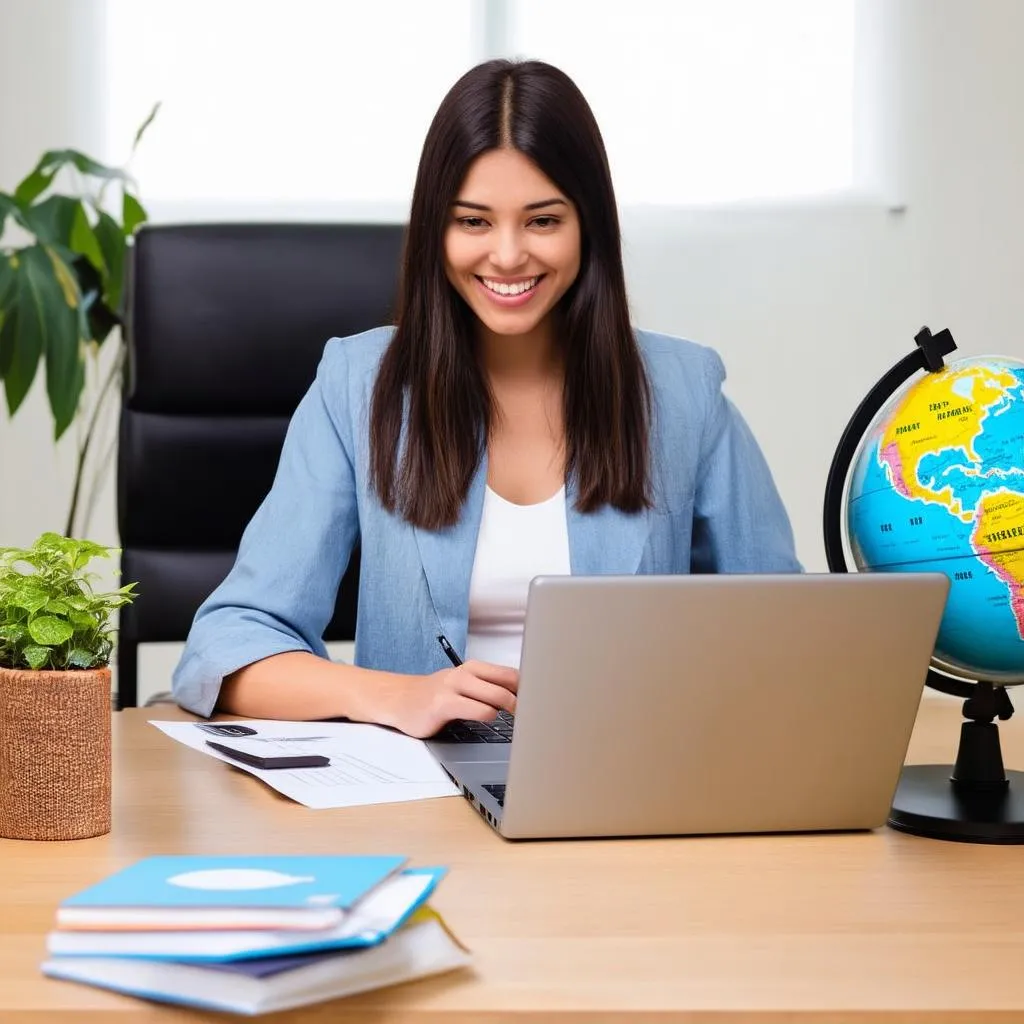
<point x="449" y="650"/>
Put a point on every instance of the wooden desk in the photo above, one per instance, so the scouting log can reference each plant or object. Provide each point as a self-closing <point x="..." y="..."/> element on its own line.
<point x="878" y="926"/>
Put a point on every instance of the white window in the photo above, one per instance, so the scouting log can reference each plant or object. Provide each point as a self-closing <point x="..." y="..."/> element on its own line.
<point x="271" y="102"/>
<point x="324" y="104"/>
<point x="703" y="101"/>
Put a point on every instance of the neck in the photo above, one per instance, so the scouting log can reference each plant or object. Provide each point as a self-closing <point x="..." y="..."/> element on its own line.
<point x="520" y="357"/>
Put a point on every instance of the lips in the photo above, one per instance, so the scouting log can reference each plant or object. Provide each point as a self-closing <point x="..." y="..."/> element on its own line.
<point x="511" y="299"/>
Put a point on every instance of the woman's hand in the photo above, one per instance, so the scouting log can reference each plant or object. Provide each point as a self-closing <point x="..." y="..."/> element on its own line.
<point x="421" y="705"/>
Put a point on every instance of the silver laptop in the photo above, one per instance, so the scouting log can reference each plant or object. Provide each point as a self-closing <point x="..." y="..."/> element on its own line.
<point x="675" y="705"/>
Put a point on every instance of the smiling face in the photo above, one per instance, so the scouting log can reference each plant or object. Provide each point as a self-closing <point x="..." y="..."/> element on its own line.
<point x="512" y="244"/>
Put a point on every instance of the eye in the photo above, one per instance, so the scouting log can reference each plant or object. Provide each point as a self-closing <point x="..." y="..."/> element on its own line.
<point x="472" y="223"/>
<point x="546" y="220"/>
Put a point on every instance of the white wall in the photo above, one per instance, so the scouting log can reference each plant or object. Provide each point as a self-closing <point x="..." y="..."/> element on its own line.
<point x="808" y="304"/>
<point x="807" y="307"/>
<point x="49" y="98"/>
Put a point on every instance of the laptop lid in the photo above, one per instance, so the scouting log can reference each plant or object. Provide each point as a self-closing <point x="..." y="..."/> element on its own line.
<point x="656" y="705"/>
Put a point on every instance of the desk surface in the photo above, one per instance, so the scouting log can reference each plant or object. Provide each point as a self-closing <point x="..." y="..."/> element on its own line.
<point x="878" y="926"/>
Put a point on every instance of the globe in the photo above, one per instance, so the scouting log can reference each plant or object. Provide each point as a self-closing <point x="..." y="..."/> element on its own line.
<point x="938" y="486"/>
<point x="928" y="476"/>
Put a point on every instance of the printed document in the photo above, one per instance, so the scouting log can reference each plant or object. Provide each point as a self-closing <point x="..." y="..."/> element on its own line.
<point x="369" y="764"/>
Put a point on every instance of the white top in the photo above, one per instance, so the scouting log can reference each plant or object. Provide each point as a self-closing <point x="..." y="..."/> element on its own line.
<point x="515" y="543"/>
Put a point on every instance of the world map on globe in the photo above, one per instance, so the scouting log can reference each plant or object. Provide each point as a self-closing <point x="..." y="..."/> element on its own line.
<point x="938" y="486"/>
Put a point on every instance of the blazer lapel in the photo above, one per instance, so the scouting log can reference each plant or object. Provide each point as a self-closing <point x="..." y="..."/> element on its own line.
<point x="447" y="556"/>
<point x="605" y="542"/>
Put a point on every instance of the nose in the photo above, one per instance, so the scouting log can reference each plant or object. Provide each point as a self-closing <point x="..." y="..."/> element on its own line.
<point x="508" y="253"/>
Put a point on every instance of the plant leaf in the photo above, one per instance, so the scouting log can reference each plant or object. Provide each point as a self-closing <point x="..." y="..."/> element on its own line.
<point x="12" y="633"/>
<point x="51" y="541"/>
<point x="41" y="176"/>
<point x="65" y="358"/>
<point x="8" y="208"/>
<point x="57" y="607"/>
<point x="48" y="629"/>
<point x="51" y="220"/>
<point x="23" y="329"/>
<point x="85" y="550"/>
<point x="36" y="657"/>
<point x="36" y="318"/>
<point x="6" y="304"/>
<point x="63" y="275"/>
<point x="55" y="159"/>
<point x="114" y="245"/>
<point x="82" y="620"/>
<point x="79" y="658"/>
<point x="34" y="184"/>
<point x="93" y="168"/>
<point x="132" y="213"/>
<point x="31" y="602"/>
<point x="83" y="240"/>
<point x="145" y="124"/>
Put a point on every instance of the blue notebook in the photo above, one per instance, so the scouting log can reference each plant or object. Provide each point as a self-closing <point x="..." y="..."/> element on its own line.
<point x="227" y="892"/>
<point x="369" y="922"/>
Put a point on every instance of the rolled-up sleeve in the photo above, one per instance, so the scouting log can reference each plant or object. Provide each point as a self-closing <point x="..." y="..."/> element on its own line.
<point x="740" y="523"/>
<point x="281" y="591"/>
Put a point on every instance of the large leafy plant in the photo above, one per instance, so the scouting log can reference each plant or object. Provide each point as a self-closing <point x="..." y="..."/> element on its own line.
<point x="50" y="616"/>
<point x="62" y="291"/>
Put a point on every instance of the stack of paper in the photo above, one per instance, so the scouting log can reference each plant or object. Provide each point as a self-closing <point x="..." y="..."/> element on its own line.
<point x="253" y="934"/>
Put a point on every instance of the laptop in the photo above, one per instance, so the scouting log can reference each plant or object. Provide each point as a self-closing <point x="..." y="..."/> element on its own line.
<point x="704" y="704"/>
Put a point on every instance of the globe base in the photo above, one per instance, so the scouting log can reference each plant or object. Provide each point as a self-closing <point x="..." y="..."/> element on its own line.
<point x="928" y="803"/>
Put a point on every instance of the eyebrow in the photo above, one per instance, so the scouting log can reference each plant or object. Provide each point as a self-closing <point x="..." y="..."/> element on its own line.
<point x="529" y="206"/>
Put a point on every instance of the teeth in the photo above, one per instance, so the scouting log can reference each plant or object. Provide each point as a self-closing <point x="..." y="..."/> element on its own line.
<point x="510" y="289"/>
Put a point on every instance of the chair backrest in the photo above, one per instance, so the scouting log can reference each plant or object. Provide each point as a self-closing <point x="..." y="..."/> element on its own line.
<point x="225" y="327"/>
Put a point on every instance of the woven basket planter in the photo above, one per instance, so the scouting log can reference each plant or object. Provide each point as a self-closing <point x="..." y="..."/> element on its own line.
<point x="54" y="754"/>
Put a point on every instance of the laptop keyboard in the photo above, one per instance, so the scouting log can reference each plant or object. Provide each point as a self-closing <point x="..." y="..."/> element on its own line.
<point x="465" y="731"/>
<point x="497" y="790"/>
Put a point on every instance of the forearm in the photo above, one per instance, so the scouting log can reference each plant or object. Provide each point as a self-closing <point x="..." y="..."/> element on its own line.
<point x="298" y="686"/>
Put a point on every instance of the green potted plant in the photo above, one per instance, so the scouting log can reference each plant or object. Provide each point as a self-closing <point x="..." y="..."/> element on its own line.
<point x="56" y="637"/>
<point x="62" y="287"/>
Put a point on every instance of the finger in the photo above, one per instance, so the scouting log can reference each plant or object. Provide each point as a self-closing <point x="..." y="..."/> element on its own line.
<point x="494" y="696"/>
<point x="501" y="675"/>
<point x="472" y="710"/>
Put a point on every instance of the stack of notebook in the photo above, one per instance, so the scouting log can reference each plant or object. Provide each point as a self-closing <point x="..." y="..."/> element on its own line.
<point x="253" y="934"/>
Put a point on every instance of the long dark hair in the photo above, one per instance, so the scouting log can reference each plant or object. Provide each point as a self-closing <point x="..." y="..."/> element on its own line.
<point x="430" y="375"/>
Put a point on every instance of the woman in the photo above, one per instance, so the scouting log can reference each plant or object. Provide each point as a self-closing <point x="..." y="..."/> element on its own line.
<point x="513" y="424"/>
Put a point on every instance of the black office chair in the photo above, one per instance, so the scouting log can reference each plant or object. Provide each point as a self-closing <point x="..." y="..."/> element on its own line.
<point x="225" y="327"/>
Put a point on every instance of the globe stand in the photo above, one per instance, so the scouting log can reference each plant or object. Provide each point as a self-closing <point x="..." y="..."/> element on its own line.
<point x="975" y="801"/>
<point x="978" y="802"/>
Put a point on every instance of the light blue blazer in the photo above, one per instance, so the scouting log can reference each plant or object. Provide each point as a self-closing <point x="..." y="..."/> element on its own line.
<point x="716" y="510"/>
